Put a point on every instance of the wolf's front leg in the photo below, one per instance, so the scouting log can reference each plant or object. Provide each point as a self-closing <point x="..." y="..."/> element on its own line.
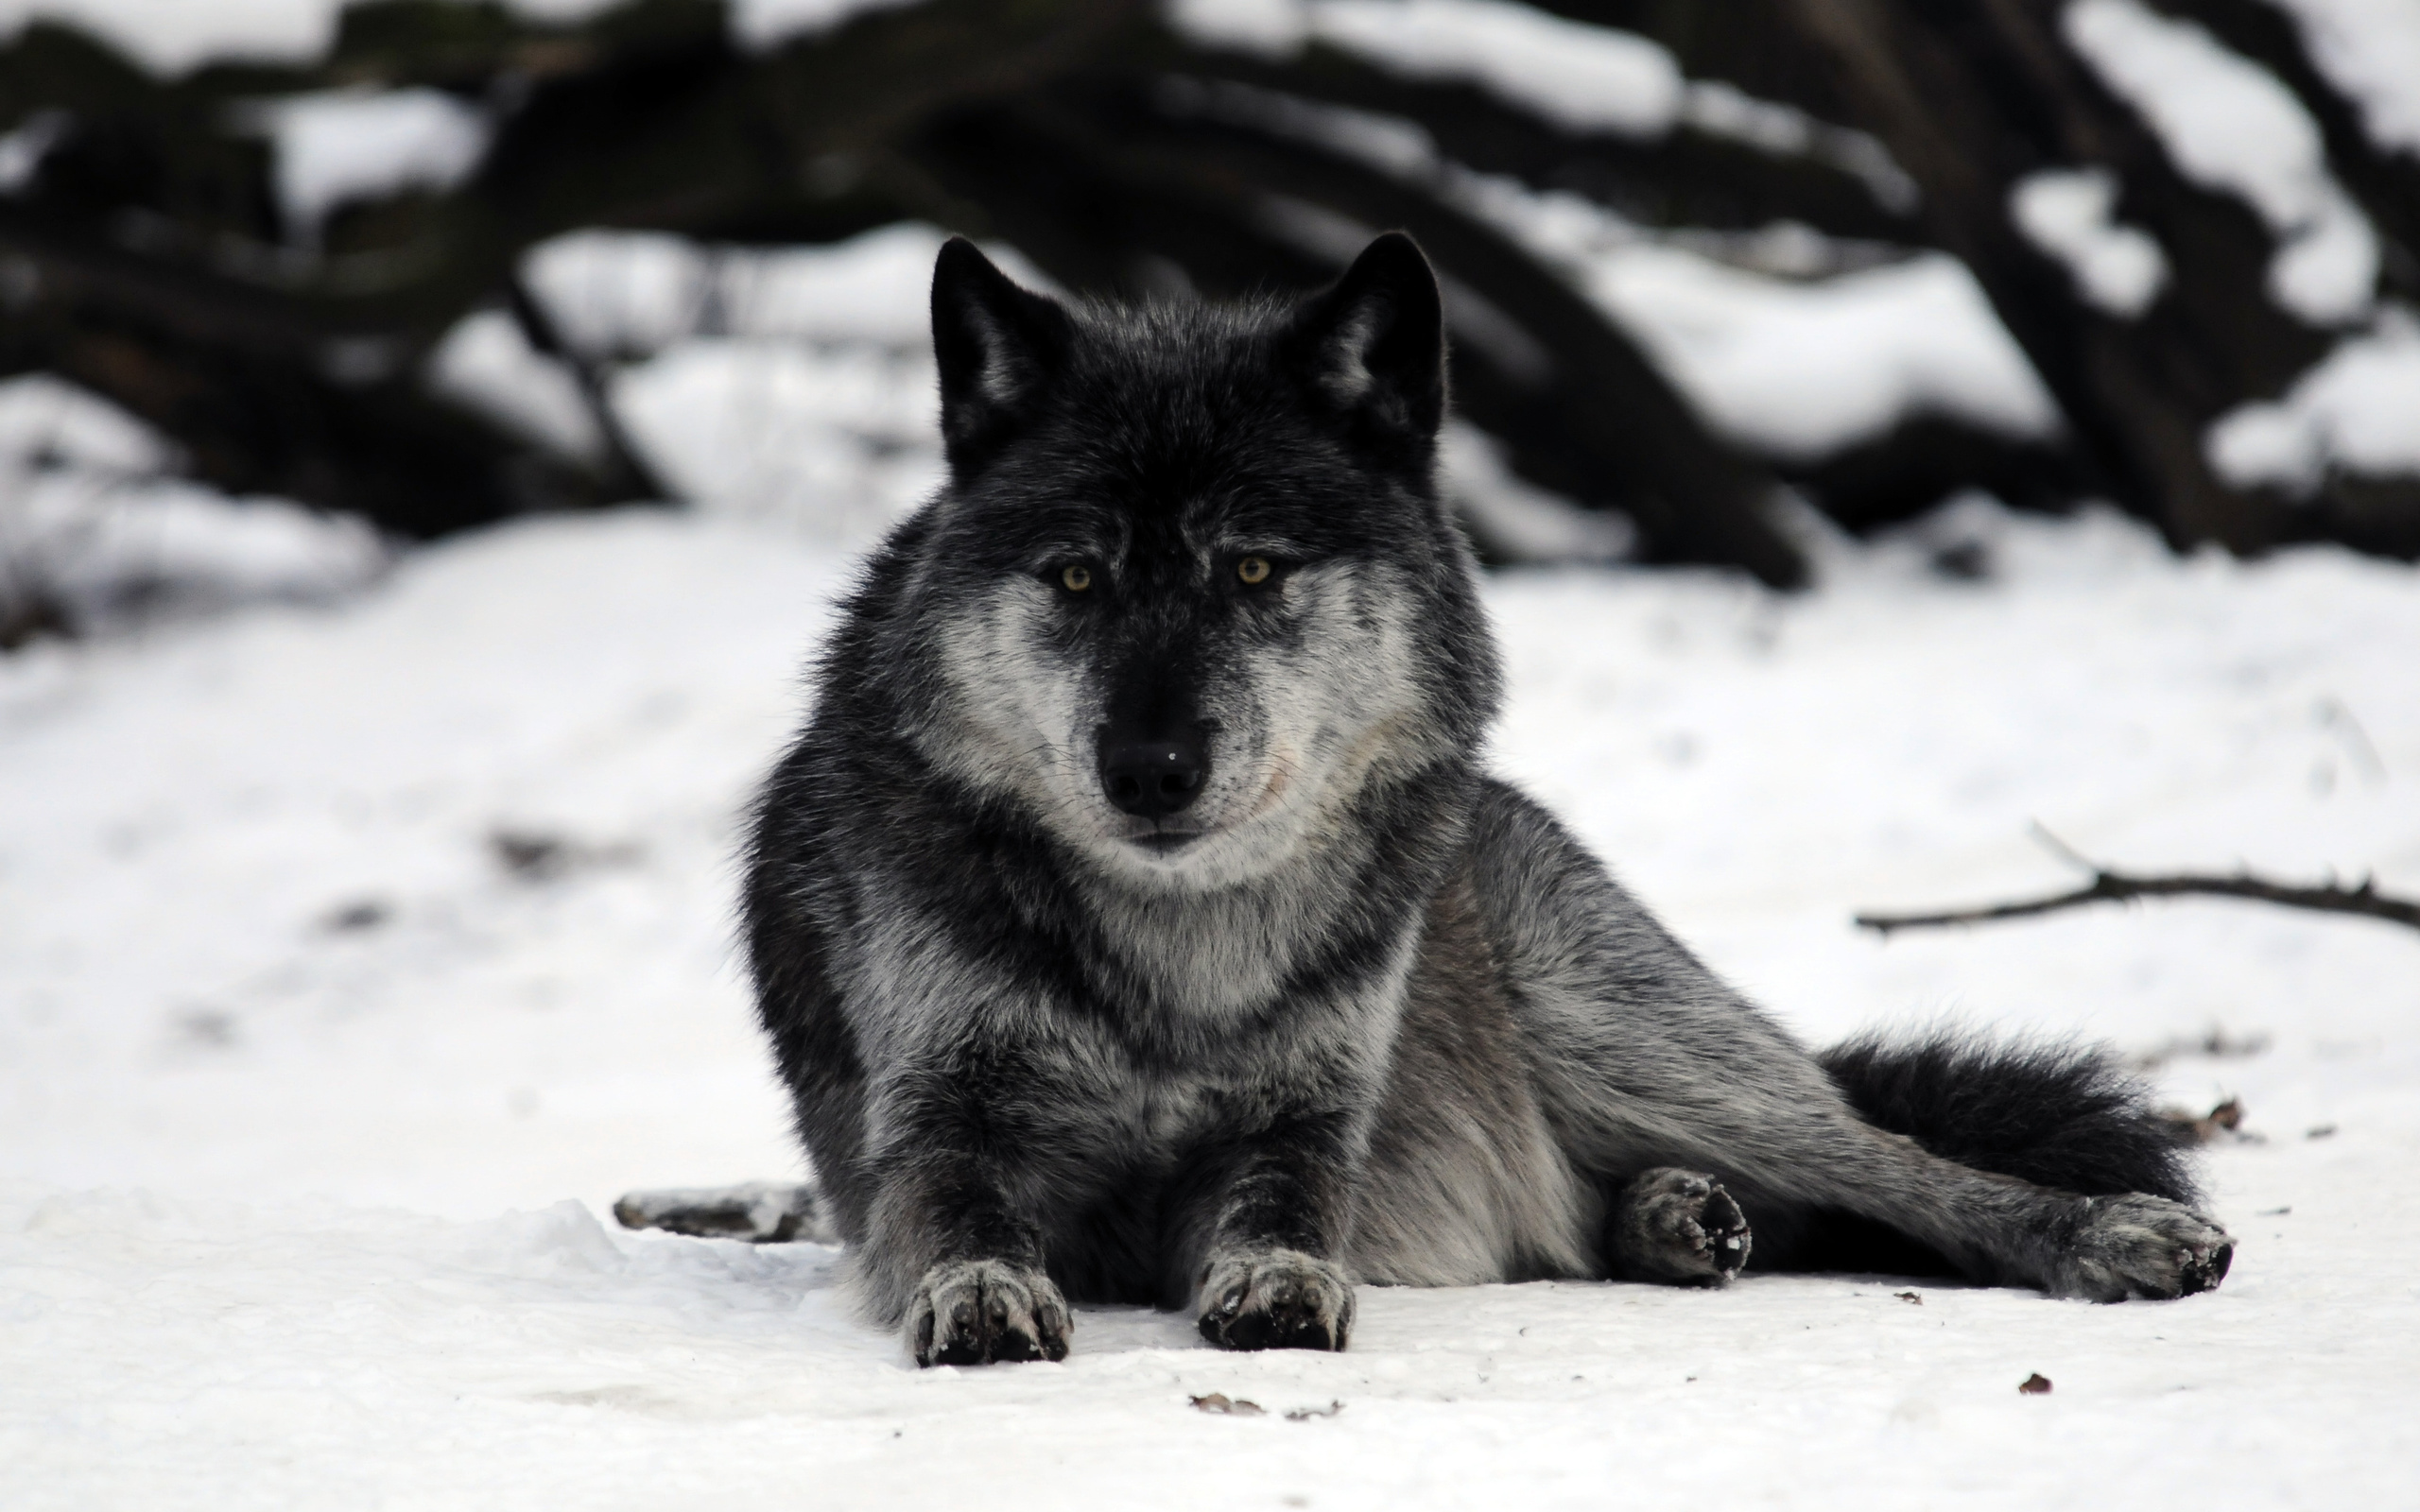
<point x="1270" y="1280"/>
<point x="952" y="1247"/>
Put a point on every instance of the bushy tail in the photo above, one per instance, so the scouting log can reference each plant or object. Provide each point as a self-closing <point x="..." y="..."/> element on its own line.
<point x="2059" y="1115"/>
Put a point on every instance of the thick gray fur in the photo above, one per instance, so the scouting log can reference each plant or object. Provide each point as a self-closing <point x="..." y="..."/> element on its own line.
<point x="1352" y="1012"/>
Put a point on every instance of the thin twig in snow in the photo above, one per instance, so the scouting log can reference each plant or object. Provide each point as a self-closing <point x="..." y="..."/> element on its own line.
<point x="2108" y="885"/>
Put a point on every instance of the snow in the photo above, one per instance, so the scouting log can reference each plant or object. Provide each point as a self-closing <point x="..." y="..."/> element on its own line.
<point x="2067" y="213"/>
<point x="485" y="363"/>
<point x="1578" y="76"/>
<point x="171" y="36"/>
<point x="2357" y="411"/>
<point x="766" y="24"/>
<point x="1803" y="371"/>
<point x="2371" y="50"/>
<point x="1794" y="367"/>
<point x="838" y="442"/>
<point x="361" y="144"/>
<point x="793" y="384"/>
<point x="1514" y="519"/>
<point x="297" y="1211"/>
<point x="93" y="529"/>
<point x="619" y="292"/>
<point x="2229" y="125"/>
<point x="22" y="150"/>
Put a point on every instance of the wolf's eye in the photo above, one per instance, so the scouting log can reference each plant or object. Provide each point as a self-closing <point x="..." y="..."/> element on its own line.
<point x="1075" y="578"/>
<point x="1253" y="570"/>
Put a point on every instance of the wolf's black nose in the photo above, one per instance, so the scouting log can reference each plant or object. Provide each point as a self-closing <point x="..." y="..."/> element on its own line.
<point x="1154" y="779"/>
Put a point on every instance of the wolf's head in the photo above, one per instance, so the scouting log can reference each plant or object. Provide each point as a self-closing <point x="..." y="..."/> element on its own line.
<point x="1189" y="596"/>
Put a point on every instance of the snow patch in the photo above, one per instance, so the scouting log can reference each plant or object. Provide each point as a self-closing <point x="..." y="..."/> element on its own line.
<point x="1797" y="368"/>
<point x="836" y="441"/>
<point x="2357" y="411"/>
<point x="94" y="533"/>
<point x="1580" y="77"/>
<point x="2068" y="214"/>
<point x="357" y="144"/>
<point x="620" y="293"/>
<point x="2371" y="50"/>
<point x="2229" y="125"/>
<point x="22" y="150"/>
<point x="486" y="364"/>
<point x="794" y="384"/>
<point x="1514" y="519"/>
<point x="762" y="24"/>
<point x="170" y="39"/>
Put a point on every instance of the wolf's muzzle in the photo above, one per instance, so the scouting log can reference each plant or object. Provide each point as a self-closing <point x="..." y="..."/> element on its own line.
<point x="1154" y="779"/>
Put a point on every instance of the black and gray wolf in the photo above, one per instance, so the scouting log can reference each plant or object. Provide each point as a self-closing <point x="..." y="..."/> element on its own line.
<point x="1134" y="919"/>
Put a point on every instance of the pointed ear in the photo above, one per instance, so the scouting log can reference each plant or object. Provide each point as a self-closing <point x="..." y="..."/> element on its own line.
<point x="998" y="347"/>
<point x="1372" y="346"/>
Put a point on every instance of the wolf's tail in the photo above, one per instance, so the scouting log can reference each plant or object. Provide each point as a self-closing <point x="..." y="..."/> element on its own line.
<point x="2059" y="1115"/>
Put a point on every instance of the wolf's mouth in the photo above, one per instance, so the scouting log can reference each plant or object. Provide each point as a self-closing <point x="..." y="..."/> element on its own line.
<point x="1165" y="842"/>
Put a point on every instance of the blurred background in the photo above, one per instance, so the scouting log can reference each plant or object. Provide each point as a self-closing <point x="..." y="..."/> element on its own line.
<point x="420" y="266"/>
<point x="432" y="433"/>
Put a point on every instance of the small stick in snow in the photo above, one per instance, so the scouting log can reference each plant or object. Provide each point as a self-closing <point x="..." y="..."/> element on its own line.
<point x="2108" y="885"/>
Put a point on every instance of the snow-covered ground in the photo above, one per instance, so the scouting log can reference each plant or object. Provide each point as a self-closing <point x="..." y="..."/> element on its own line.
<point x="311" y="1105"/>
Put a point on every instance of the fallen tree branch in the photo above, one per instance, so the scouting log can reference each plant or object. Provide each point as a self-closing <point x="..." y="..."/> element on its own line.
<point x="2109" y="885"/>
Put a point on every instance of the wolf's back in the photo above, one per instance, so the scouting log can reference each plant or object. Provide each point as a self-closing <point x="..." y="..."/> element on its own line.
<point x="2058" y="1115"/>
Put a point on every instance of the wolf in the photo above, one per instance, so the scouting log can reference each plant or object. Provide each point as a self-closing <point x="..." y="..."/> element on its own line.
<point x="1135" y="921"/>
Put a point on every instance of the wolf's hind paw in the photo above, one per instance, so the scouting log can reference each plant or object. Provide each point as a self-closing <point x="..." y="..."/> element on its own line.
<point x="1279" y="1299"/>
<point x="1679" y="1227"/>
<point x="2138" y="1246"/>
<point x="976" y="1312"/>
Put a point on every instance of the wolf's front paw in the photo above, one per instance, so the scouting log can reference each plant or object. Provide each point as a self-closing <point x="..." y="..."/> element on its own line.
<point x="2134" y="1246"/>
<point x="974" y="1312"/>
<point x="1277" y="1299"/>
<point x="1679" y="1227"/>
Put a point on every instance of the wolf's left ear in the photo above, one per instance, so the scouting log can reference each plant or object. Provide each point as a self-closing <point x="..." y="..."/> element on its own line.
<point x="1372" y="345"/>
<point x="998" y="346"/>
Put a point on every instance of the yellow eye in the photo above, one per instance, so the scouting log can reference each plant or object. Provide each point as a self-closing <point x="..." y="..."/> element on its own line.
<point x="1252" y="569"/>
<point x="1076" y="579"/>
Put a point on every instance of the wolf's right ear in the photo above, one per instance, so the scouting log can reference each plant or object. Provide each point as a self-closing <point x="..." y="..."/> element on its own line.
<point x="997" y="347"/>
<point x="1372" y="346"/>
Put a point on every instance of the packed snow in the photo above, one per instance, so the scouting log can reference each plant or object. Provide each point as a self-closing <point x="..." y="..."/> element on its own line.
<point x="314" y="1096"/>
<point x="2357" y="411"/>
<point x="2229" y="125"/>
<point x="2068" y="212"/>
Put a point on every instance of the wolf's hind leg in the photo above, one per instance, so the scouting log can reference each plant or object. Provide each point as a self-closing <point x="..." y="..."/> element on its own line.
<point x="1677" y="1227"/>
